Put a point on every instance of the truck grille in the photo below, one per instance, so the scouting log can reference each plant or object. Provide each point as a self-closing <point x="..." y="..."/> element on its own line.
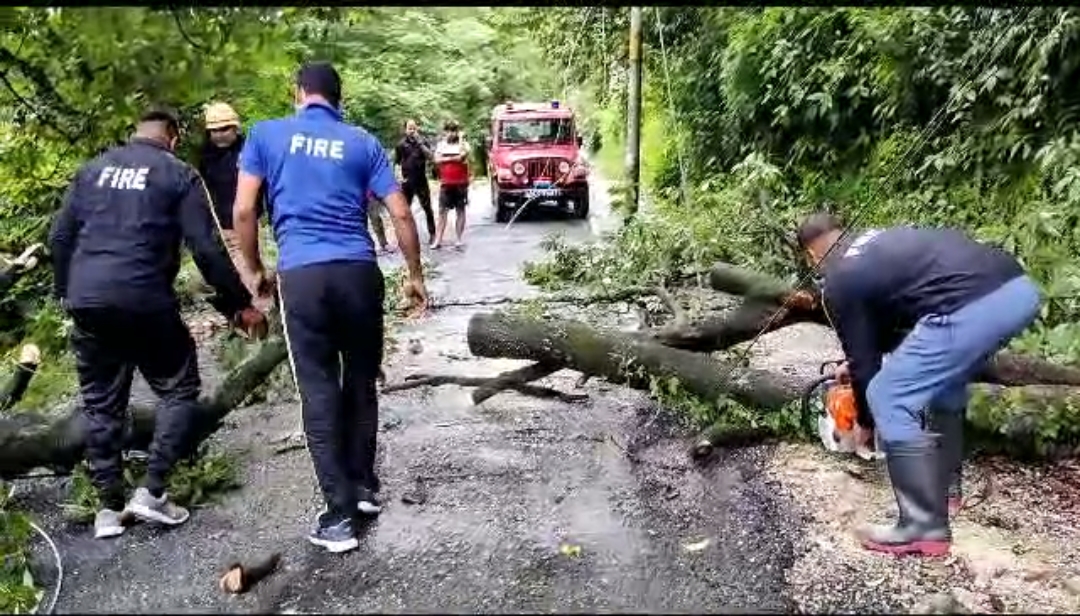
<point x="547" y="168"/>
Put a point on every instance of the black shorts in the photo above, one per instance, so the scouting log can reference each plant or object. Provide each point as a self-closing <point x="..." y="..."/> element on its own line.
<point x="453" y="197"/>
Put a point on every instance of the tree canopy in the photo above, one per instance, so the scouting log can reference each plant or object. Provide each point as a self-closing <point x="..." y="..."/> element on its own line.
<point x="73" y="80"/>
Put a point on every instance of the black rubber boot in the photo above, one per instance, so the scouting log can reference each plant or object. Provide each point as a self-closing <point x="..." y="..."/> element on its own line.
<point x="951" y="428"/>
<point x="918" y="482"/>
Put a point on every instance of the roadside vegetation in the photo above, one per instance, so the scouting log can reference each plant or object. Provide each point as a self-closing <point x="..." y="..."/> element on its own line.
<point x="937" y="116"/>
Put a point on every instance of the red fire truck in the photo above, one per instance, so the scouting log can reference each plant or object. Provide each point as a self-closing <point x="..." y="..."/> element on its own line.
<point x="534" y="157"/>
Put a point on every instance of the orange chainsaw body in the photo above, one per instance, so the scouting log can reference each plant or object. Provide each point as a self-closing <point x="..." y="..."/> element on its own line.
<point x="840" y="404"/>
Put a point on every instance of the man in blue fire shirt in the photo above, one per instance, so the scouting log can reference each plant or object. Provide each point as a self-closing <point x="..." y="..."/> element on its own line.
<point x="318" y="171"/>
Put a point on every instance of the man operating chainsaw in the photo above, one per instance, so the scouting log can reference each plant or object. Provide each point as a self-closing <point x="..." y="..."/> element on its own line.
<point x="958" y="301"/>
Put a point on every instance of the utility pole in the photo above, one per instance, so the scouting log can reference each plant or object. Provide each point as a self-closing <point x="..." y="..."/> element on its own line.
<point x="633" y="113"/>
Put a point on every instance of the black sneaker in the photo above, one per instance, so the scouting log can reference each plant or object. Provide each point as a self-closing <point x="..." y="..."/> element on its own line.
<point x="369" y="503"/>
<point x="334" y="534"/>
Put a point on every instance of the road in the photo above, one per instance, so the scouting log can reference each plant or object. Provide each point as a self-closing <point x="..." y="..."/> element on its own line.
<point x="527" y="505"/>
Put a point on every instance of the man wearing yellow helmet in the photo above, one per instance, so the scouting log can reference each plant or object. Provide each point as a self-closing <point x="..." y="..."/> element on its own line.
<point x="218" y="162"/>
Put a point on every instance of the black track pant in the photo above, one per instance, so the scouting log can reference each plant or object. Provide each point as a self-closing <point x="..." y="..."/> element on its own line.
<point x="334" y="328"/>
<point x="109" y="346"/>
<point x="418" y="187"/>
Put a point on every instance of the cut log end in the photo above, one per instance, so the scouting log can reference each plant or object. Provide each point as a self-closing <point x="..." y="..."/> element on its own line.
<point x="239" y="578"/>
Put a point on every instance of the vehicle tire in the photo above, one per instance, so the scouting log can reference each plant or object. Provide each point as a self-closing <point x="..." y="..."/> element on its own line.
<point x="502" y="214"/>
<point x="581" y="205"/>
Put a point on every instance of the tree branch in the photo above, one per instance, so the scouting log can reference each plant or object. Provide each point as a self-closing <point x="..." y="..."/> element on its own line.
<point x="507" y="380"/>
<point x="183" y="33"/>
<point x="516" y="380"/>
<point x="682" y="319"/>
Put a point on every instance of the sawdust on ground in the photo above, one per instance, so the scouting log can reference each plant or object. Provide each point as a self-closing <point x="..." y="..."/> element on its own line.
<point x="1014" y="550"/>
<point x="1016" y="546"/>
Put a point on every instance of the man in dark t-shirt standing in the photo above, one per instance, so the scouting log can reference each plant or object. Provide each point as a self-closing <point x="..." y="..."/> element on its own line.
<point x="412" y="155"/>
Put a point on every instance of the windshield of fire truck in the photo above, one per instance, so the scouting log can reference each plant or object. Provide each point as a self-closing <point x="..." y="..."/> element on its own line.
<point x="537" y="130"/>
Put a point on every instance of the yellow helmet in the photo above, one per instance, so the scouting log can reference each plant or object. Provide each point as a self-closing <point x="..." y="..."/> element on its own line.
<point x="221" y="115"/>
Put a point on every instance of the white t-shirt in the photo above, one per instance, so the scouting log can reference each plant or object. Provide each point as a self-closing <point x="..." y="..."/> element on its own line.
<point x="451" y="149"/>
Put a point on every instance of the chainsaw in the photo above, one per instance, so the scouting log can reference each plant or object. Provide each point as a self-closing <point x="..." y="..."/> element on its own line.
<point x="831" y="405"/>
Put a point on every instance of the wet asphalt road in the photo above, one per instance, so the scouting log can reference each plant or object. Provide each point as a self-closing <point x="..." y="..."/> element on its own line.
<point x="527" y="505"/>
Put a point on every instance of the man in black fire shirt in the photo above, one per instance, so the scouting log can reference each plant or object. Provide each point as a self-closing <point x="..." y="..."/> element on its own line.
<point x="116" y="251"/>
<point x="958" y="301"/>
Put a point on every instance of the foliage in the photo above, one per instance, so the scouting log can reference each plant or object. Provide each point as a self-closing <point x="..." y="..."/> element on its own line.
<point x="18" y="590"/>
<point x="195" y="482"/>
<point x="936" y="116"/>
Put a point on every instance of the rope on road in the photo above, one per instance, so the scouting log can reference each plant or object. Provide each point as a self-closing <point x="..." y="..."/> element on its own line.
<point x="59" y="570"/>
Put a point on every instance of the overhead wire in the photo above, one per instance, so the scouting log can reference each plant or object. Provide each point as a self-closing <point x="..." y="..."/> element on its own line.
<point x="679" y="144"/>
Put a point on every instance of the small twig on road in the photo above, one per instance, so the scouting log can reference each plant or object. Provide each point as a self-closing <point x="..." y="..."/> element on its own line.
<point x="682" y="319"/>
<point x="512" y="380"/>
<point x="289" y="448"/>
<point x="626" y="452"/>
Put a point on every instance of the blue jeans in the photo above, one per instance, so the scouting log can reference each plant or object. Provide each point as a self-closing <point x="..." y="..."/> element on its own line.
<point x="931" y="368"/>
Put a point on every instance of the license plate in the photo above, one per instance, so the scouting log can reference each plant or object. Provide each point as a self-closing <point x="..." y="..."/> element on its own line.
<point x="540" y="193"/>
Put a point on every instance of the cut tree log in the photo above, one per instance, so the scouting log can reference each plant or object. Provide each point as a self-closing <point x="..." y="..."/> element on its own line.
<point x="623" y="358"/>
<point x="12" y="390"/>
<point x="636" y="361"/>
<point x="31" y="440"/>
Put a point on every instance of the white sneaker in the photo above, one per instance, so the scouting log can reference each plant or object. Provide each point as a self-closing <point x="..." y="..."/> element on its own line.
<point x="160" y="510"/>
<point x="107" y="523"/>
<point x="369" y="503"/>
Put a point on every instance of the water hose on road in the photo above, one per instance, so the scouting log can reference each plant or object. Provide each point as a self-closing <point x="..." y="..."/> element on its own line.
<point x="59" y="571"/>
<point x="59" y="565"/>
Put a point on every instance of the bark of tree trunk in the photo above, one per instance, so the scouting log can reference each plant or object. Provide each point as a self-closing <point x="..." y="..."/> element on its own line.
<point x="624" y="358"/>
<point x="31" y="440"/>
<point x="1019" y="421"/>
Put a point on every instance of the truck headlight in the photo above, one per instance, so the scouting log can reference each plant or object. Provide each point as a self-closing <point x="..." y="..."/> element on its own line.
<point x="518" y="168"/>
<point x="564" y="167"/>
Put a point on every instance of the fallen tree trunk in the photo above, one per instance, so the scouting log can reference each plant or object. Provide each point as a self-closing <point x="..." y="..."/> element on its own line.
<point x="751" y="318"/>
<point x="623" y="358"/>
<point x="764" y="298"/>
<point x="1020" y="427"/>
<point x="31" y="440"/>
